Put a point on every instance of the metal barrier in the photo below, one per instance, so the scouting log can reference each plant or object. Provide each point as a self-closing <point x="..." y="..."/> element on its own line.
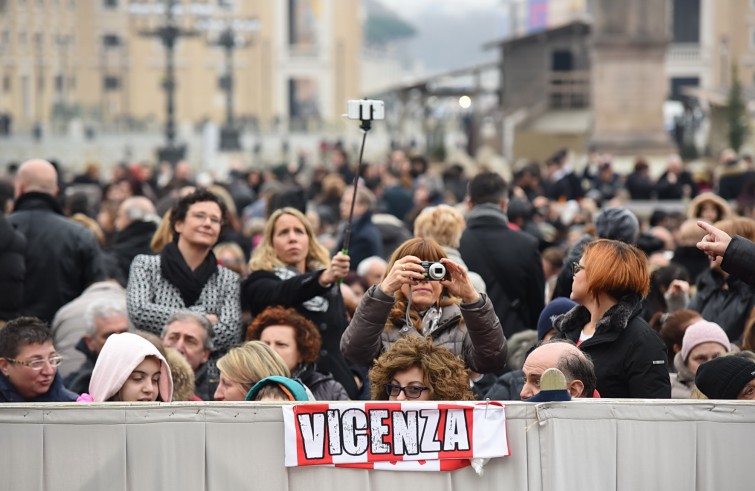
<point x="585" y="445"/>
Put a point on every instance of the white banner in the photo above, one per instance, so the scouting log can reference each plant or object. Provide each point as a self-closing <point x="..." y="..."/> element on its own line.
<point x="394" y="435"/>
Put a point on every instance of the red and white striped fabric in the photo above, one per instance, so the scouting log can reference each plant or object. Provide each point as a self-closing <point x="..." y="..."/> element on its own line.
<point x="416" y="436"/>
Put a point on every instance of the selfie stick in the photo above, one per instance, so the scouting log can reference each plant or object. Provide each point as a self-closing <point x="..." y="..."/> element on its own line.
<point x="365" y="111"/>
<point x="366" y="125"/>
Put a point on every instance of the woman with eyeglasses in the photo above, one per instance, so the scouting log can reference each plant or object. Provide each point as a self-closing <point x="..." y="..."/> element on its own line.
<point x="610" y="281"/>
<point x="416" y="369"/>
<point x="186" y="275"/>
<point x="29" y="364"/>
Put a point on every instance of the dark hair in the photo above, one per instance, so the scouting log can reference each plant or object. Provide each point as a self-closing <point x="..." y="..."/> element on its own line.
<point x="21" y="332"/>
<point x="576" y="367"/>
<point x="660" y="280"/>
<point x="200" y="195"/>
<point x="308" y="340"/>
<point x="487" y="187"/>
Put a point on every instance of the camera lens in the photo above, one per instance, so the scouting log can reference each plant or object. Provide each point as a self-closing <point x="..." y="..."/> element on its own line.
<point x="437" y="271"/>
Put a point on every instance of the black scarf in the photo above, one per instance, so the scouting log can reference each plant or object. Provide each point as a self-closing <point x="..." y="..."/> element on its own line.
<point x="189" y="283"/>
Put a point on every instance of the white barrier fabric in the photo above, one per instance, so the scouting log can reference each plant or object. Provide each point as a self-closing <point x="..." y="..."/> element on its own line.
<point x="586" y="445"/>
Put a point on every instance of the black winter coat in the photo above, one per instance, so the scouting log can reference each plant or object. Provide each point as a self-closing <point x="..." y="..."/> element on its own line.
<point x="727" y="302"/>
<point x="263" y="289"/>
<point x="127" y="244"/>
<point x="12" y="270"/>
<point x="630" y="358"/>
<point x="62" y="259"/>
<point x="509" y="263"/>
<point x="739" y="259"/>
<point x="365" y="240"/>
<point x="323" y="387"/>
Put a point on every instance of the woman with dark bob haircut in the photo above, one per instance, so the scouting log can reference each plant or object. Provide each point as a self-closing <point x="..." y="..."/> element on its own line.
<point x="296" y="339"/>
<point x="186" y="275"/>
<point x="416" y="369"/>
<point x="406" y="303"/>
<point x="610" y="281"/>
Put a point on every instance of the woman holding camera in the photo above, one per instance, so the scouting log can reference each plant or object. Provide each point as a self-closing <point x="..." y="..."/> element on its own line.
<point x="449" y="310"/>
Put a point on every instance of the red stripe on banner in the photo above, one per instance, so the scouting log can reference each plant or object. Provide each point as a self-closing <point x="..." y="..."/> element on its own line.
<point x="469" y="420"/>
<point x="310" y="409"/>
<point x="453" y="464"/>
<point x="388" y="437"/>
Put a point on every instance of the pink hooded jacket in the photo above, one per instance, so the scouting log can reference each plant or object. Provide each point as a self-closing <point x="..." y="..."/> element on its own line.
<point x="120" y="355"/>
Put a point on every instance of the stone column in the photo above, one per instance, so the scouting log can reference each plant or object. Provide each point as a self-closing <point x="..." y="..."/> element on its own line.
<point x="628" y="77"/>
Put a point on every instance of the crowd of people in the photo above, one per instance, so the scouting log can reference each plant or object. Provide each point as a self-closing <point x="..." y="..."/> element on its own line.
<point x="154" y="285"/>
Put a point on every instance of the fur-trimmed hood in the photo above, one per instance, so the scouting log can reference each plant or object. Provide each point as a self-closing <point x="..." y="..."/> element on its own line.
<point x="724" y="210"/>
<point x="614" y="320"/>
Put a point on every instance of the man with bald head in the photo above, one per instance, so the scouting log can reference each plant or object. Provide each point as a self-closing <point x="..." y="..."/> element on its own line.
<point x="135" y="224"/>
<point x="573" y="363"/>
<point x="62" y="257"/>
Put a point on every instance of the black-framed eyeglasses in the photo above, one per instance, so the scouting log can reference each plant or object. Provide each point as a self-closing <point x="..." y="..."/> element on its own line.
<point x="38" y="365"/>
<point x="576" y="268"/>
<point x="411" y="391"/>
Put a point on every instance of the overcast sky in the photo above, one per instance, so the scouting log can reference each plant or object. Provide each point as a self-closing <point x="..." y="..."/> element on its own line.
<point x="450" y="32"/>
<point x="412" y="8"/>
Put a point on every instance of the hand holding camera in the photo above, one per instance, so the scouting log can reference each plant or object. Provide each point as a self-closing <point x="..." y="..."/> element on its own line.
<point x="457" y="282"/>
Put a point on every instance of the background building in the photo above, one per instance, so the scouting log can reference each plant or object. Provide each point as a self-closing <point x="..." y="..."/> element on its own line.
<point x="88" y="60"/>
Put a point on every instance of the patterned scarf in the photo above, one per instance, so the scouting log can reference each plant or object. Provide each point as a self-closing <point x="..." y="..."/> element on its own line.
<point x="314" y="304"/>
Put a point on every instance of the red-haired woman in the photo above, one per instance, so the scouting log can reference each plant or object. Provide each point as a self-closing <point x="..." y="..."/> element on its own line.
<point x="630" y="359"/>
<point x="449" y="312"/>
<point x="296" y="339"/>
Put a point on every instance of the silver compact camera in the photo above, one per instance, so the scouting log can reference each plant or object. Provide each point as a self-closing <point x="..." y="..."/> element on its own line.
<point x="434" y="271"/>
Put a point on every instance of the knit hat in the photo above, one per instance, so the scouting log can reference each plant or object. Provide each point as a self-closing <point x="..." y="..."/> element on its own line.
<point x="120" y="355"/>
<point x="292" y="388"/>
<point x="724" y="377"/>
<point x="701" y="332"/>
<point x="556" y="307"/>
<point x="617" y="224"/>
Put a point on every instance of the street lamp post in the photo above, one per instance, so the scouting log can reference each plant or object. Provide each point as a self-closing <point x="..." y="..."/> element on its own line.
<point x="229" y="134"/>
<point x="168" y="33"/>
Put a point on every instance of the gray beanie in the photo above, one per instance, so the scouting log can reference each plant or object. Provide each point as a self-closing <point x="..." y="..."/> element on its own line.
<point x="617" y="224"/>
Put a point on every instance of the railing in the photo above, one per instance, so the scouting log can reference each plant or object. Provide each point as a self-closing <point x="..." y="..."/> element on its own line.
<point x="684" y="53"/>
<point x="569" y="90"/>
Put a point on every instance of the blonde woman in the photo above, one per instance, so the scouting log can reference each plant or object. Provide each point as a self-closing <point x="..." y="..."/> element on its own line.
<point x="244" y="366"/>
<point x="292" y="269"/>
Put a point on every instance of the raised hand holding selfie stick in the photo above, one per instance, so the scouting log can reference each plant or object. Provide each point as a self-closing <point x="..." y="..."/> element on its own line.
<point x="365" y="111"/>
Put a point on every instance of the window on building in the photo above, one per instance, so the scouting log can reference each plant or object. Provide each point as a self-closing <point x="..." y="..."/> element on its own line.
<point x="39" y="38"/>
<point x="6" y="83"/>
<point x="303" y="99"/>
<point x="111" y="40"/>
<point x="59" y="83"/>
<point x="678" y="84"/>
<point x="686" y="21"/>
<point x="3" y="5"/>
<point x="5" y="40"/>
<point x="302" y="23"/>
<point x="40" y="83"/>
<point x="111" y="82"/>
<point x="752" y="38"/>
<point x="22" y="38"/>
<point x="110" y="4"/>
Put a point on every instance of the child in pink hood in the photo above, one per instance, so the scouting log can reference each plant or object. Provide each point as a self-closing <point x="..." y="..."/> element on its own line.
<point x="129" y="369"/>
